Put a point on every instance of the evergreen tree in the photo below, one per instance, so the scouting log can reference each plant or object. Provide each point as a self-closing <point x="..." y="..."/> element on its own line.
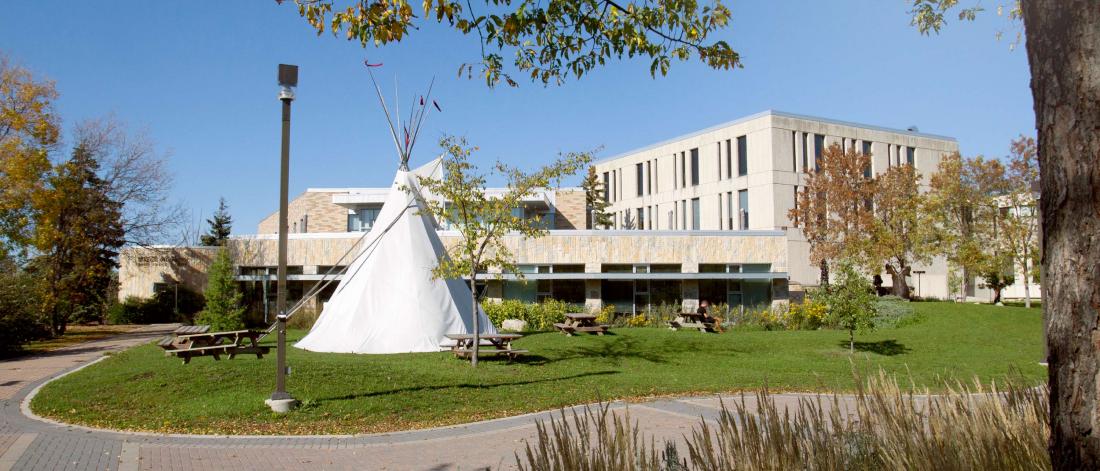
<point x="595" y="201"/>
<point x="78" y="231"/>
<point x="220" y="226"/>
<point x="223" y="299"/>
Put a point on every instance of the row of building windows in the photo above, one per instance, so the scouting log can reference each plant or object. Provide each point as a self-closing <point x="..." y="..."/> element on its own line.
<point x="685" y="170"/>
<point x="528" y="269"/>
<point x="895" y="152"/>
<point x="638" y="296"/>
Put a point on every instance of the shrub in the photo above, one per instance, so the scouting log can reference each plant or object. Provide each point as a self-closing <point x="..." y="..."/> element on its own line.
<point x="161" y="308"/>
<point x="893" y="312"/>
<point x="539" y="316"/>
<point x="20" y="320"/>
<point x="807" y="315"/>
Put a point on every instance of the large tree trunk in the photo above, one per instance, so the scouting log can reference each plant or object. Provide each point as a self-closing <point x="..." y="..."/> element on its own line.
<point x="900" y="288"/>
<point x="1063" y="48"/>
<point x="824" y="266"/>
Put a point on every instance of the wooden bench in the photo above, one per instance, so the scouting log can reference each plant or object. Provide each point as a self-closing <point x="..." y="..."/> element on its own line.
<point x="172" y="342"/>
<point x="467" y="352"/>
<point x="216" y="351"/>
<point x="494" y="344"/>
<point x="691" y="320"/>
<point x="215" y="344"/>
<point x="576" y="322"/>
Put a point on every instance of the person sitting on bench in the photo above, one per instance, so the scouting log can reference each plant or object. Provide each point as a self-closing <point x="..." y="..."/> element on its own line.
<point x="704" y="309"/>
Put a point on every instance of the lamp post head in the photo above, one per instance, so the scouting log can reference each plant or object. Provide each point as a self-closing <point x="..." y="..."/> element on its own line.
<point x="288" y="80"/>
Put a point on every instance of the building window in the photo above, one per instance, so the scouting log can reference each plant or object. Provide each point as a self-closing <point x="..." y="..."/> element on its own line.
<point x="910" y="156"/>
<point x="362" y="219"/>
<point x="720" y="211"/>
<point x="683" y="170"/>
<point x="606" y="188"/>
<point x="695" y="167"/>
<point x="729" y="159"/>
<point x="795" y="205"/>
<point x="805" y="153"/>
<point x="695" y="214"/>
<point x="867" y="153"/>
<point x="649" y="177"/>
<point x="638" y="170"/>
<point x="730" y="211"/>
<point x="794" y="151"/>
<point x="641" y="218"/>
<point x="819" y="147"/>
<point x="684" y="215"/>
<point x="656" y="183"/>
<point x="743" y="206"/>
<point x="742" y="156"/>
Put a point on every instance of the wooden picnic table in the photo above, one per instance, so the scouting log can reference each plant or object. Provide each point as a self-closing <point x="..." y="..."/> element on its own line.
<point x="693" y="320"/>
<point x="498" y="344"/>
<point x="579" y="322"/>
<point x="215" y="344"/>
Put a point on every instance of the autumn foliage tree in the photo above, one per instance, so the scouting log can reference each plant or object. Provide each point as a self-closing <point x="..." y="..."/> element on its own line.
<point x="833" y="210"/>
<point x="964" y="209"/>
<point x="901" y="232"/>
<point x="547" y="41"/>
<point x="29" y="131"/>
<point x="1020" y="223"/>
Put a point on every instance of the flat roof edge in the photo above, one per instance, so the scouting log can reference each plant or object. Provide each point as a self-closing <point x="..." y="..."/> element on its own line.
<point x="771" y="112"/>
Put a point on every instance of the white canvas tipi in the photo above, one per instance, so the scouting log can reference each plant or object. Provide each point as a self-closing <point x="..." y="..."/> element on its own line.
<point x="388" y="301"/>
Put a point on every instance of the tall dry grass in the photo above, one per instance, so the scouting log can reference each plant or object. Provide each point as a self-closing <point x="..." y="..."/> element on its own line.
<point x="881" y="426"/>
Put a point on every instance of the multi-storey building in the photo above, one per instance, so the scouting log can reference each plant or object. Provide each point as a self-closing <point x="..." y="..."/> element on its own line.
<point x="744" y="175"/>
<point x="702" y="216"/>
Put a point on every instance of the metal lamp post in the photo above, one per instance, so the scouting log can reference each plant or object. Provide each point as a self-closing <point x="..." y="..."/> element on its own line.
<point x="280" y="400"/>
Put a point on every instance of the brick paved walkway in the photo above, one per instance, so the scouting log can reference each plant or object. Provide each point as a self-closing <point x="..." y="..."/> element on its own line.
<point x="28" y="443"/>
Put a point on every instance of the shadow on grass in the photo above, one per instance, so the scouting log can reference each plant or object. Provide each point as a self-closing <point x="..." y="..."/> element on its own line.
<point x="349" y="397"/>
<point x="888" y="348"/>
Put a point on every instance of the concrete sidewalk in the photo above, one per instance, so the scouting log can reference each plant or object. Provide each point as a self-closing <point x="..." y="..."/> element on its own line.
<point x="28" y="443"/>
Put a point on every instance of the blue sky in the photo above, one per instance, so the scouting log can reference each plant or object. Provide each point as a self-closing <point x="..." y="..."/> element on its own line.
<point x="199" y="76"/>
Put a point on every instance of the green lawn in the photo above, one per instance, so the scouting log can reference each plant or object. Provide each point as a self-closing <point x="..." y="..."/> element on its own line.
<point x="140" y="389"/>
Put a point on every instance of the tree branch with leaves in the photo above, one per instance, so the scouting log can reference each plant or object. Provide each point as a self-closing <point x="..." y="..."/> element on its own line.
<point x="549" y="41"/>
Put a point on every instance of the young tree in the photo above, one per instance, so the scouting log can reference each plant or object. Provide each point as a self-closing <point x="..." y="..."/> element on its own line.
<point x="833" y="211"/>
<point x="481" y="220"/>
<point x="78" y="232"/>
<point x="851" y="302"/>
<point x="901" y="233"/>
<point x="220" y="226"/>
<point x="29" y="131"/>
<point x="595" y="201"/>
<point x="963" y="207"/>
<point x="223" y="309"/>
<point x="550" y="41"/>
<point x="1020" y="224"/>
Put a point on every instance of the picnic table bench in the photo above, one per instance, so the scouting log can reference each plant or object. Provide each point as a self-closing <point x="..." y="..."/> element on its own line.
<point x="577" y="322"/>
<point x="498" y="344"/>
<point x="172" y="342"/>
<point x="215" y="344"/>
<point x="692" y="320"/>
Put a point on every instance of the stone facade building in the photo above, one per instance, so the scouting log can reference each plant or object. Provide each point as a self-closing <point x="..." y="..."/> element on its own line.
<point x="702" y="216"/>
